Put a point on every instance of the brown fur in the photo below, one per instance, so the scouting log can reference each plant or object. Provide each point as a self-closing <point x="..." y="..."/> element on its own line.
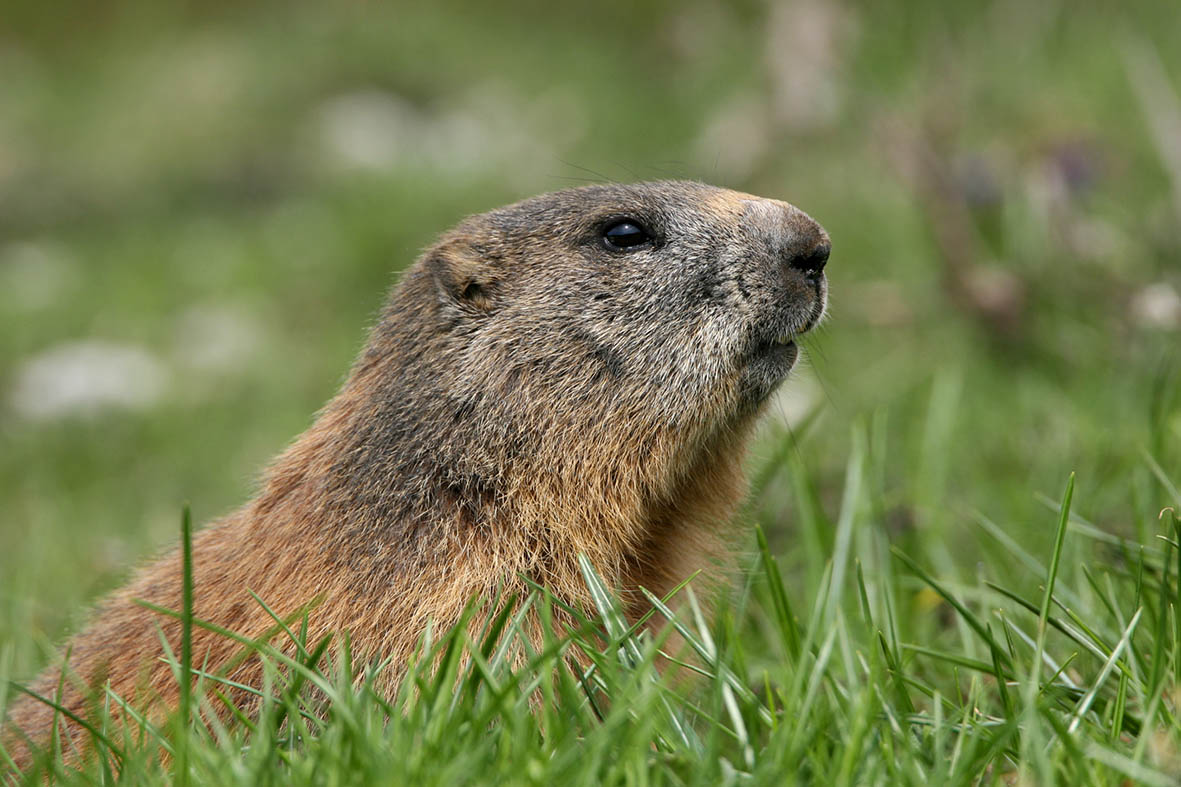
<point x="527" y="395"/>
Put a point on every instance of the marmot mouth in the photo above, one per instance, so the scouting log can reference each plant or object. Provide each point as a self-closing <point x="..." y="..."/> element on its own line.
<point x="773" y="350"/>
<point x="790" y="336"/>
<point x="777" y="350"/>
<point x="785" y="343"/>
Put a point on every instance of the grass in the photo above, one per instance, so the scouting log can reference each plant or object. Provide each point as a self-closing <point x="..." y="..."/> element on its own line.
<point x="855" y="691"/>
<point x="921" y="601"/>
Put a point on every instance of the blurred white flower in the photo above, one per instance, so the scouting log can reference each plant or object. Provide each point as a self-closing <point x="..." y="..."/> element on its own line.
<point x="369" y="129"/>
<point x="1158" y="306"/>
<point x="488" y="126"/>
<point x="86" y="378"/>
<point x="216" y="338"/>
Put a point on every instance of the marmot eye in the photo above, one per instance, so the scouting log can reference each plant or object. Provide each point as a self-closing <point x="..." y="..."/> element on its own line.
<point x="624" y="235"/>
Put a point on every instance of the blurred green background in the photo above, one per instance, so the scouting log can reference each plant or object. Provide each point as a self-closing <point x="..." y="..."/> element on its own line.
<point x="202" y="207"/>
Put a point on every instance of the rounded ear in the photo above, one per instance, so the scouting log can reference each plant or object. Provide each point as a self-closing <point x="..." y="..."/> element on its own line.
<point x="462" y="278"/>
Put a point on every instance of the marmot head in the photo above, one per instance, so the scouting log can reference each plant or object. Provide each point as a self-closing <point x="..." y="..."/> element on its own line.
<point x="594" y="330"/>
<point x="679" y="295"/>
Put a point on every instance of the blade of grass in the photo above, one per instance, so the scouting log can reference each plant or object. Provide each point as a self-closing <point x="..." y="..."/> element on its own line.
<point x="1055" y="560"/>
<point x="186" y="647"/>
<point x="1085" y="703"/>
<point x="788" y="625"/>
<point x="1032" y="751"/>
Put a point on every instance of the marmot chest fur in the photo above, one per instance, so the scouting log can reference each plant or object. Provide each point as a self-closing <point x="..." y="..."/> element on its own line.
<point x="574" y="374"/>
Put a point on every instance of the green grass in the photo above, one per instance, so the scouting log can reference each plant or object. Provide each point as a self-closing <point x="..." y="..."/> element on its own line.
<point x="892" y="676"/>
<point x="918" y="604"/>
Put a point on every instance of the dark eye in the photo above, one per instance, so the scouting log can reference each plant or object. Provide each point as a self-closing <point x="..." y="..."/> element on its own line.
<point x="625" y="235"/>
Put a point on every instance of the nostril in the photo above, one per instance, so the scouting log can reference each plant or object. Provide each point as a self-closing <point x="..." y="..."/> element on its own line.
<point x="813" y="260"/>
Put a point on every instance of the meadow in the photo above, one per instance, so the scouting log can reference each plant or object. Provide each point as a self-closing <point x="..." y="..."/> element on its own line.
<point x="963" y="552"/>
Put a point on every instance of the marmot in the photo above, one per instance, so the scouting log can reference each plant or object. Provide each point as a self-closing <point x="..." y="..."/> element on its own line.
<point x="577" y="373"/>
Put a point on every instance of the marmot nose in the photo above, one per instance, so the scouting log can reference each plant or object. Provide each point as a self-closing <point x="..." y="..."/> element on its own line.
<point x="812" y="261"/>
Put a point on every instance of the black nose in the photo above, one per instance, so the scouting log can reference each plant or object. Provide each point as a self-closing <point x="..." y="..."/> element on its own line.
<point x="811" y="262"/>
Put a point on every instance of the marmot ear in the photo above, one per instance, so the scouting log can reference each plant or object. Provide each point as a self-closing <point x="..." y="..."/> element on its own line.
<point x="462" y="278"/>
